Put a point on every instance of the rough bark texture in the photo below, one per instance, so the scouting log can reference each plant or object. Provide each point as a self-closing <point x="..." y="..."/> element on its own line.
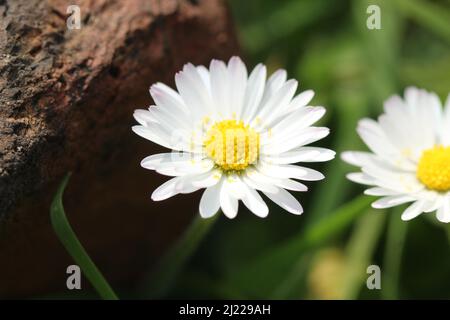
<point x="66" y="102"/>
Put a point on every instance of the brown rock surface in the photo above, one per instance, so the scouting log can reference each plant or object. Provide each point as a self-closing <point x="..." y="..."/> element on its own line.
<point x="66" y="102"/>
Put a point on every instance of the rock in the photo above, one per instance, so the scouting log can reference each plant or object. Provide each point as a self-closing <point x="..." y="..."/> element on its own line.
<point x="67" y="98"/>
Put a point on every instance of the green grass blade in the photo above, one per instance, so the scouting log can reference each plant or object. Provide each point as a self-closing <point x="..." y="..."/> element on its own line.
<point x="70" y="241"/>
<point x="428" y="14"/>
<point x="360" y="251"/>
<point x="396" y="235"/>
<point x="164" y="276"/>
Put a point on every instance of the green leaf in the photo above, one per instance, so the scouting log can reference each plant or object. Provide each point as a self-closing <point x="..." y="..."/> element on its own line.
<point x="70" y="241"/>
<point x="158" y="284"/>
<point x="260" y="277"/>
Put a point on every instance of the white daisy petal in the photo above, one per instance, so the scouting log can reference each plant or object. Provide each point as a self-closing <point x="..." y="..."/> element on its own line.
<point x="195" y="167"/>
<point x="157" y="135"/>
<point x="413" y="210"/>
<point x="299" y="119"/>
<point x="291" y="185"/>
<point x="207" y="179"/>
<point x="375" y="138"/>
<point x="238" y="80"/>
<point x="443" y="213"/>
<point x="298" y="102"/>
<point x="184" y="184"/>
<point x="210" y="201"/>
<point x="228" y="203"/>
<point x="255" y="90"/>
<point x="289" y="171"/>
<point x="143" y="117"/>
<point x="253" y="201"/>
<point x="278" y="145"/>
<point x="152" y="162"/>
<point x="166" y="190"/>
<point x="258" y="181"/>
<point x="392" y="201"/>
<point x="274" y="83"/>
<point x="193" y="92"/>
<point x="167" y="98"/>
<point x="356" y="158"/>
<point x="362" y="178"/>
<point x="204" y="74"/>
<point x="286" y="201"/>
<point x="378" y="191"/>
<point x="301" y="100"/>
<point x="302" y="154"/>
<point x="281" y="171"/>
<point x="166" y="117"/>
<point x="445" y="131"/>
<point x="235" y="186"/>
<point x="276" y="103"/>
<point x="433" y="203"/>
<point x="220" y="88"/>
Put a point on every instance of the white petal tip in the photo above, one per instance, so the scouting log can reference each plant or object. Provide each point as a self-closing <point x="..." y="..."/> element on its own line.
<point x="207" y="215"/>
<point x="262" y="213"/>
<point x="297" y="212"/>
<point x="443" y="219"/>
<point x="376" y="206"/>
<point x="156" y="198"/>
<point x="235" y="59"/>
<point x="137" y="129"/>
<point x="346" y="155"/>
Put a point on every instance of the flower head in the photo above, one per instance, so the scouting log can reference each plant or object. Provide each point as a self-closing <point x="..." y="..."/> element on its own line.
<point x="234" y="135"/>
<point x="409" y="160"/>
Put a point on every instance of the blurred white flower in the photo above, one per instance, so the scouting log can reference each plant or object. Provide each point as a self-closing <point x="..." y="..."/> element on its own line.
<point x="234" y="135"/>
<point x="410" y="158"/>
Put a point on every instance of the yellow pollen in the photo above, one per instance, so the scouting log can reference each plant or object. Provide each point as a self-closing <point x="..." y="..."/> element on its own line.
<point x="232" y="145"/>
<point x="434" y="168"/>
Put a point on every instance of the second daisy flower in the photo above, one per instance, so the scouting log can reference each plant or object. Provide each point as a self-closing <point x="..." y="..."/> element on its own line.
<point x="409" y="160"/>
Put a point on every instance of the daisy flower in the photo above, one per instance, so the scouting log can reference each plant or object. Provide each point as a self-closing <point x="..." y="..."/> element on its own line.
<point x="409" y="160"/>
<point x="234" y="135"/>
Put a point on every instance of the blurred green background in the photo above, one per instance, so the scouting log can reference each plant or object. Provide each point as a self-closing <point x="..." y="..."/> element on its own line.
<point x="324" y="253"/>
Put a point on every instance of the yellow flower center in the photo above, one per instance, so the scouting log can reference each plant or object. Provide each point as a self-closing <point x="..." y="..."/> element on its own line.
<point x="434" y="168"/>
<point x="232" y="145"/>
